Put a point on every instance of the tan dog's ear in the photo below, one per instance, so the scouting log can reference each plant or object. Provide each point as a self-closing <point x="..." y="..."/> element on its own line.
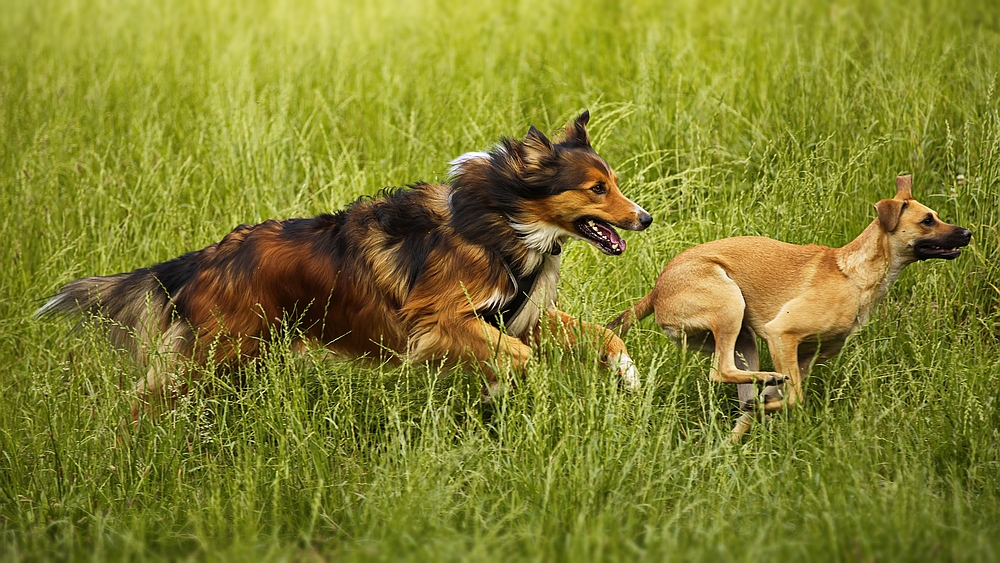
<point x="536" y="146"/>
<point x="576" y="132"/>
<point x="889" y="211"/>
<point x="903" y="185"/>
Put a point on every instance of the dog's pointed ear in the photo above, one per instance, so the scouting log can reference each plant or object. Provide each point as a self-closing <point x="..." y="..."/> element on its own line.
<point x="903" y="185"/>
<point x="576" y="132"/>
<point x="536" y="146"/>
<point x="889" y="211"/>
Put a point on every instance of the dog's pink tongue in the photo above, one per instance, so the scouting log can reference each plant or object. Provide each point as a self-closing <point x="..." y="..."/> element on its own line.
<point x="615" y="241"/>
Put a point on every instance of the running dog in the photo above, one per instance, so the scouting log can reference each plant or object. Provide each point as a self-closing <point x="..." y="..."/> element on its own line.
<point x="803" y="300"/>
<point x="460" y="271"/>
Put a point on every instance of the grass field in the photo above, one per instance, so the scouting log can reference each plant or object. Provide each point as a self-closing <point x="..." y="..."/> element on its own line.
<point x="133" y="131"/>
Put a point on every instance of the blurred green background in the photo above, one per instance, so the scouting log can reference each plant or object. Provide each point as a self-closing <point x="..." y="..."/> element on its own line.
<point x="134" y="131"/>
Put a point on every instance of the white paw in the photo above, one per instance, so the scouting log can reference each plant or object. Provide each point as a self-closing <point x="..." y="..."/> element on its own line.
<point x="493" y="391"/>
<point x="625" y="367"/>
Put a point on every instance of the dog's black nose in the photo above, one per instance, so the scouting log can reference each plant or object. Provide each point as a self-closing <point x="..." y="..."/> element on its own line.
<point x="645" y="219"/>
<point x="965" y="233"/>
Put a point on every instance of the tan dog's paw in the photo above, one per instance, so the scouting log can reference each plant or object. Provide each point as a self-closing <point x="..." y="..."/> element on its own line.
<point x="741" y="427"/>
<point x="771" y="398"/>
<point x="774" y="398"/>
<point x="774" y="393"/>
<point x="775" y="380"/>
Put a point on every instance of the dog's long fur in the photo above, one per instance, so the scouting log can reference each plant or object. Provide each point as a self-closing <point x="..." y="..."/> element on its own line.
<point x="804" y="300"/>
<point x="464" y="270"/>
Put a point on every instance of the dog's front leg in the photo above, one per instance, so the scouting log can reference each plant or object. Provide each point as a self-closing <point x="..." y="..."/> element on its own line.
<point x="475" y="341"/>
<point x="613" y="355"/>
<point x="784" y="353"/>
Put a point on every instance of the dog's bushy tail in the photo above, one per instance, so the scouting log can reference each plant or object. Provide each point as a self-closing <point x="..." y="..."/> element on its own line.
<point x="640" y="310"/>
<point x="133" y="307"/>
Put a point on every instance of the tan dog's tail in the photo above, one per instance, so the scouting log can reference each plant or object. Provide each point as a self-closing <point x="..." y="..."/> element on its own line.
<point x="640" y="310"/>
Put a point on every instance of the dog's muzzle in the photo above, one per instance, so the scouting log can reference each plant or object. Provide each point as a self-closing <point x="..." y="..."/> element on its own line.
<point x="946" y="247"/>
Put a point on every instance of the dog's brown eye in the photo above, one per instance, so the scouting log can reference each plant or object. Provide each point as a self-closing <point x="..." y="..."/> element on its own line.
<point x="599" y="188"/>
<point x="928" y="221"/>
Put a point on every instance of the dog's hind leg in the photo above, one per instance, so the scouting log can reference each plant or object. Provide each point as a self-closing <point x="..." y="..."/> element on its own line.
<point x="159" y="390"/>
<point x="714" y="305"/>
<point x="726" y="324"/>
<point x="746" y="358"/>
<point x="157" y="393"/>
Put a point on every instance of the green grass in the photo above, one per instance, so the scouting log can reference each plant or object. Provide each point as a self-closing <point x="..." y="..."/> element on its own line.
<point x="134" y="131"/>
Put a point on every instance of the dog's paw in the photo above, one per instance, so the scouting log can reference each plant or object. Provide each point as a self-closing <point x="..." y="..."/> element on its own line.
<point x="773" y="394"/>
<point x="770" y="398"/>
<point x="493" y="391"/>
<point x="741" y="427"/>
<point x="625" y="367"/>
<point x="777" y="379"/>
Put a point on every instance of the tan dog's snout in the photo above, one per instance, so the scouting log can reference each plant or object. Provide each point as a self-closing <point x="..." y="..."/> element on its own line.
<point x="962" y="235"/>
<point x="947" y="245"/>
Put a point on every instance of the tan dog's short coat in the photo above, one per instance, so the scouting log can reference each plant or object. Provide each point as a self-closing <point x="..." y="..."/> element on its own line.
<point x="803" y="300"/>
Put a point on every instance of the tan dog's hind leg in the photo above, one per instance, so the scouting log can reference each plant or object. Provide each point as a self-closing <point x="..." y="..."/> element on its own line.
<point x="746" y="358"/>
<point x="714" y="305"/>
<point x="726" y="324"/>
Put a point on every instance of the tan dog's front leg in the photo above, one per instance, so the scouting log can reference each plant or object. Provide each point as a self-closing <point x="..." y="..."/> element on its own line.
<point x="785" y="355"/>
<point x="613" y="355"/>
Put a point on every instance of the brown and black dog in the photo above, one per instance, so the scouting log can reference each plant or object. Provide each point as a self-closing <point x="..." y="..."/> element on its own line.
<point x="803" y="300"/>
<point x="459" y="271"/>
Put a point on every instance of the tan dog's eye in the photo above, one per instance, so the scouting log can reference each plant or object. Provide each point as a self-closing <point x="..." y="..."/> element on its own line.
<point x="599" y="188"/>
<point x="928" y="221"/>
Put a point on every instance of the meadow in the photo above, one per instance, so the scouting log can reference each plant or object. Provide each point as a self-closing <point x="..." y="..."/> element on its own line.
<point x="133" y="131"/>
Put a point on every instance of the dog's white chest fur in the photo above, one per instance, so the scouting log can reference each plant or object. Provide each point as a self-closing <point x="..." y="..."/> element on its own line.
<point x="542" y="298"/>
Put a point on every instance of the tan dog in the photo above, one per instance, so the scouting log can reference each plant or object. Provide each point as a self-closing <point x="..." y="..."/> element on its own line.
<point x="804" y="300"/>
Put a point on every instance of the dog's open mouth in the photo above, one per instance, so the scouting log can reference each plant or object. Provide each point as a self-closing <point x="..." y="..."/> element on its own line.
<point x="601" y="235"/>
<point x="927" y="249"/>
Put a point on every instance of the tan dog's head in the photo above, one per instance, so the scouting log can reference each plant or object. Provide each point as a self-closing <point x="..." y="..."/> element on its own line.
<point x="915" y="231"/>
